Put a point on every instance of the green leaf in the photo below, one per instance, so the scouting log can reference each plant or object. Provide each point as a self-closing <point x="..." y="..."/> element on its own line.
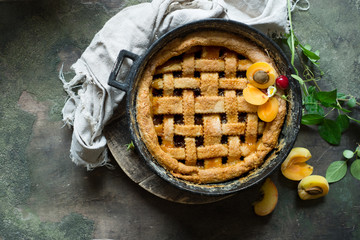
<point x="343" y="122"/>
<point x="311" y="119"/>
<point x="312" y="105"/>
<point x="351" y="118"/>
<point x="314" y="108"/>
<point x="341" y="95"/>
<point x="342" y="109"/>
<point x="286" y="36"/>
<point x="307" y="47"/>
<point x="351" y="103"/>
<point x="299" y="79"/>
<point x="348" y="154"/>
<point x="288" y="41"/>
<point x="358" y="151"/>
<point x="313" y="56"/>
<point x="336" y="171"/>
<point x="296" y="42"/>
<point x="355" y="169"/>
<point x="330" y="131"/>
<point x="312" y="90"/>
<point x="326" y="98"/>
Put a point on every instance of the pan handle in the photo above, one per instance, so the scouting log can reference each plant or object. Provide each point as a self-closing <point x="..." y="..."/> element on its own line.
<point x="114" y="73"/>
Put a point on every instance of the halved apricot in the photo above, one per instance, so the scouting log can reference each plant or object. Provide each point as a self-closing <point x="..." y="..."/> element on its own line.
<point x="295" y="167"/>
<point x="261" y="75"/>
<point x="313" y="187"/>
<point x="268" y="111"/>
<point x="268" y="203"/>
<point x="254" y="95"/>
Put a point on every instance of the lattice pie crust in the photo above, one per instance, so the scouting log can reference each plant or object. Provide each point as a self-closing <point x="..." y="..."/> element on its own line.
<point x="192" y="115"/>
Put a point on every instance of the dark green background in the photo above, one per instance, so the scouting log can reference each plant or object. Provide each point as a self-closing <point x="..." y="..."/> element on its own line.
<point x="43" y="195"/>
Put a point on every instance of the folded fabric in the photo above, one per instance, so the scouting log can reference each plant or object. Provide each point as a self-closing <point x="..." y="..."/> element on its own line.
<point x="91" y="103"/>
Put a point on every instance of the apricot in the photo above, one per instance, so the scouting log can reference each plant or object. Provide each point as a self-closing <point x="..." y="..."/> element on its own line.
<point x="270" y="198"/>
<point x="261" y="75"/>
<point x="268" y="111"/>
<point x="312" y="187"/>
<point x="254" y="95"/>
<point x="295" y="167"/>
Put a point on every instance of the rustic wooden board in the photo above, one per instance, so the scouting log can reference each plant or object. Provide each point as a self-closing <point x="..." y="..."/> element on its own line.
<point x="117" y="134"/>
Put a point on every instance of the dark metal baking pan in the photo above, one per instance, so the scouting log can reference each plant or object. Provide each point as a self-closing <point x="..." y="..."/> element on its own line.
<point x="289" y="130"/>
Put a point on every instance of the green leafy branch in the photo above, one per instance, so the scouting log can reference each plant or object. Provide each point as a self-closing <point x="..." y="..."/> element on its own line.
<point x="338" y="169"/>
<point x="319" y="104"/>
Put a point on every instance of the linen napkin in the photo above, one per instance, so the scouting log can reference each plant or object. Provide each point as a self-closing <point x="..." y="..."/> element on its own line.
<point x="92" y="102"/>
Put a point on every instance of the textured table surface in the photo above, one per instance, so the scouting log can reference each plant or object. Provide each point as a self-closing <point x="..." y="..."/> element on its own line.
<point x="43" y="195"/>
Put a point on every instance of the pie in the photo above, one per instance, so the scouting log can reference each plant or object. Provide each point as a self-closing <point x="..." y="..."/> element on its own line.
<point x="192" y="115"/>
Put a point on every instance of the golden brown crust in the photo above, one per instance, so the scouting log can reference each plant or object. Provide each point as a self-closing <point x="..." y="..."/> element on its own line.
<point x="247" y="141"/>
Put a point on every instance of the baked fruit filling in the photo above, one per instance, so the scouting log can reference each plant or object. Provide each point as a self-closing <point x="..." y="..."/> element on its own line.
<point x="192" y="113"/>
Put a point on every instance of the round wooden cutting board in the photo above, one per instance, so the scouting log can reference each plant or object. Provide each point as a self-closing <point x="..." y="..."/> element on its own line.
<point x="117" y="134"/>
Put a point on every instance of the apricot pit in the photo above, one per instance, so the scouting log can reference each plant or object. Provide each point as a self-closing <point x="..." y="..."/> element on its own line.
<point x="261" y="75"/>
<point x="313" y="187"/>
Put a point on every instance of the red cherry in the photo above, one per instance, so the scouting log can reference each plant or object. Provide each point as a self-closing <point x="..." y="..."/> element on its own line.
<point x="282" y="82"/>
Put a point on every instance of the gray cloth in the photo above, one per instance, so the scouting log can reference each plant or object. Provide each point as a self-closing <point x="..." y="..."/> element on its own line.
<point x="92" y="102"/>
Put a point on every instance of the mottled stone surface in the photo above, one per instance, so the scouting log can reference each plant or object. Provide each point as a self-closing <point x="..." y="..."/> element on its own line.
<point x="43" y="195"/>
